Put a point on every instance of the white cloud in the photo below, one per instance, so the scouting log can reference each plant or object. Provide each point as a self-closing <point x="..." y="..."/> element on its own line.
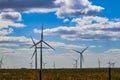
<point x="8" y="19"/>
<point x="40" y="10"/>
<point x="6" y="24"/>
<point x="76" y="8"/>
<point x="10" y="41"/>
<point x="13" y="16"/>
<point x="87" y="28"/>
<point x="62" y="8"/>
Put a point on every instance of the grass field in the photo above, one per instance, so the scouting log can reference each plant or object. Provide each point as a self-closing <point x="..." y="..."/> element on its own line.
<point x="59" y="74"/>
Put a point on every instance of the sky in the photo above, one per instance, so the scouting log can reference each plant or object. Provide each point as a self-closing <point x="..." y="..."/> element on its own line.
<point x="68" y="25"/>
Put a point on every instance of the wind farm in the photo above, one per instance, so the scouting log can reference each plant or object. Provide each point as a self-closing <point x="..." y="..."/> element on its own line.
<point x="59" y="40"/>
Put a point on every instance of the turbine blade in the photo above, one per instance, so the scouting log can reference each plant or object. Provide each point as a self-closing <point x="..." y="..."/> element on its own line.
<point x="49" y="45"/>
<point x="34" y="53"/>
<point x="84" y="50"/>
<point x="33" y="42"/>
<point x="76" y="51"/>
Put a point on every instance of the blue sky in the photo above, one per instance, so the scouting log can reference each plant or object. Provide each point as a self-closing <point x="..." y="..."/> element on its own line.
<point x="68" y="24"/>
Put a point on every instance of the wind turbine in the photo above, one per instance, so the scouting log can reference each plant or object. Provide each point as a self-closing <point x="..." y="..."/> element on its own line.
<point x="113" y="64"/>
<point x="73" y="65"/>
<point x="35" y="52"/>
<point x="81" y="55"/>
<point x="54" y="65"/>
<point x="41" y="47"/>
<point x="76" y="62"/>
<point x="44" y="64"/>
<point x="31" y="65"/>
<point x="99" y="62"/>
<point x="1" y="62"/>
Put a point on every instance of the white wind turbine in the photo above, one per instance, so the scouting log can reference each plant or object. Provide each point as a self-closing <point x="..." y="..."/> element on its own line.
<point x="81" y="56"/>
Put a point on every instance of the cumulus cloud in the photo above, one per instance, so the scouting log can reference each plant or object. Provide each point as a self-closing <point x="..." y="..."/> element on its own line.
<point x="71" y="8"/>
<point x="24" y="5"/>
<point x="58" y="30"/>
<point x="20" y="41"/>
<point x="6" y="24"/>
<point x="12" y="19"/>
<point x="87" y="28"/>
<point x="63" y="8"/>
<point x="13" y="16"/>
<point x="8" y="21"/>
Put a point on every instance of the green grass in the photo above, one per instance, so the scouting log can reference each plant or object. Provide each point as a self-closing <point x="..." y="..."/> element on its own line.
<point x="59" y="74"/>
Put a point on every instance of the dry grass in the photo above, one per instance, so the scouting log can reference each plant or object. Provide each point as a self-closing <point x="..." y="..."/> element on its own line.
<point x="59" y="74"/>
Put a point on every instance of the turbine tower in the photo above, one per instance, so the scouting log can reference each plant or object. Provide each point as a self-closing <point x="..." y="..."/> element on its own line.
<point x="31" y="65"/>
<point x="109" y="70"/>
<point x="54" y="65"/>
<point x="109" y="63"/>
<point x="81" y="56"/>
<point x="99" y="62"/>
<point x="41" y="47"/>
<point x="1" y="62"/>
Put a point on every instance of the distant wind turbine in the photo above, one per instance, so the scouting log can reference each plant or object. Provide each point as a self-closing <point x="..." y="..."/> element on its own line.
<point x="81" y="56"/>
<point x="99" y="62"/>
<point x="76" y="62"/>
<point x="44" y="64"/>
<point x="31" y="65"/>
<point x="113" y="64"/>
<point x="41" y="47"/>
<point x="73" y="65"/>
<point x="109" y="63"/>
<point x="1" y="62"/>
<point x="54" y="65"/>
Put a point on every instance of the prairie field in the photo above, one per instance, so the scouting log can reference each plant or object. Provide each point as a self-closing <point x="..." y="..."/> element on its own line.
<point x="60" y="74"/>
